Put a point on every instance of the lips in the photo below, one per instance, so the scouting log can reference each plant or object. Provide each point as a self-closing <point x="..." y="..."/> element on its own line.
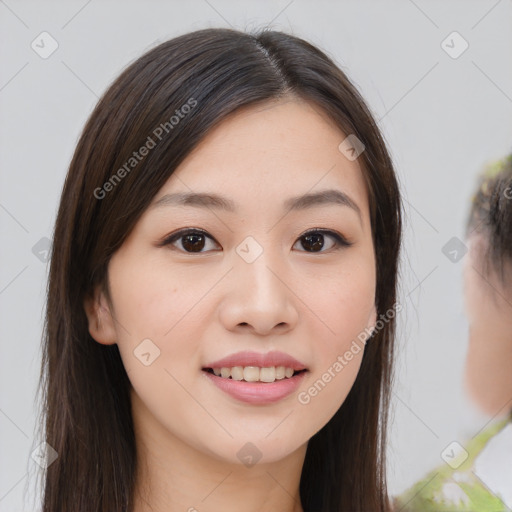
<point x="266" y="360"/>
<point x="254" y="378"/>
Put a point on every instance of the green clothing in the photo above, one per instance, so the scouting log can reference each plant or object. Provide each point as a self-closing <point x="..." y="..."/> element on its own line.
<point x="476" y="478"/>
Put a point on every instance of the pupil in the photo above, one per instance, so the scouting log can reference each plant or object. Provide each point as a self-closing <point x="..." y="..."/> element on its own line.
<point x="314" y="241"/>
<point x="192" y="239"/>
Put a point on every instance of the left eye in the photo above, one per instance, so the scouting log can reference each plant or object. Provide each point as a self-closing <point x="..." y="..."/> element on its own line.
<point x="194" y="240"/>
<point x="314" y="239"/>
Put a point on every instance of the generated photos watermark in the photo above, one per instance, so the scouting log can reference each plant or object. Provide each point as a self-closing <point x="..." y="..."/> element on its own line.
<point x="304" y="397"/>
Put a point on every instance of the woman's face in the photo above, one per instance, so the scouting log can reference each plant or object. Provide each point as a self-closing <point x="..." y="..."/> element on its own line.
<point x="247" y="286"/>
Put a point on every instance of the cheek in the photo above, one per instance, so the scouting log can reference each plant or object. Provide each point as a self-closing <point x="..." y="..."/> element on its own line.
<point x="158" y="326"/>
<point x="157" y="321"/>
<point x="337" y="363"/>
<point x="152" y="299"/>
<point x="343" y="300"/>
<point x="344" y="303"/>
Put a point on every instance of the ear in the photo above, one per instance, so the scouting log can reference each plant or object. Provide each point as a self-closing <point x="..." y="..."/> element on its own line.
<point x="372" y="319"/>
<point x="101" y="321"/>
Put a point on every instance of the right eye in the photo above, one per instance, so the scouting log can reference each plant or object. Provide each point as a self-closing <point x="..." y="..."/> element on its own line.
<point x="191" y="240"/>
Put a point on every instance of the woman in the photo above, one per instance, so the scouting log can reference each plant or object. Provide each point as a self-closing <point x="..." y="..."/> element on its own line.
<point x="226" y="243"/>
<point x="478" y="476"/>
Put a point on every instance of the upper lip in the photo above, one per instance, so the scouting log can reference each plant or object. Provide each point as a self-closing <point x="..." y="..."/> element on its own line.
<point x="267" y="360"/>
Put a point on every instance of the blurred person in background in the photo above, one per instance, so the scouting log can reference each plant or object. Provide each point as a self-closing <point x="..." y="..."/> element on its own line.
<point x="479" y="477"/>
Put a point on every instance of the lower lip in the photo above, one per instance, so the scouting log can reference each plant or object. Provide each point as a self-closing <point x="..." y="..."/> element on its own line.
<point x="257" y="392"/>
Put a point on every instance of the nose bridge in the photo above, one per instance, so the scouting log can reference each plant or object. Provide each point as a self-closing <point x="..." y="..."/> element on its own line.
<point x="256" y="266"/>
<point x="258" y="295"/>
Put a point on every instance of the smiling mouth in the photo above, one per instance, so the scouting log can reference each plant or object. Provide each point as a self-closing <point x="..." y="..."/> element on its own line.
<point x="254" y="373"/>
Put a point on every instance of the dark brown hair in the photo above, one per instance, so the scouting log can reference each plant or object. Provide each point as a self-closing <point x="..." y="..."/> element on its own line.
<point x="491" y="217"/>
<point x="86" y="401"/>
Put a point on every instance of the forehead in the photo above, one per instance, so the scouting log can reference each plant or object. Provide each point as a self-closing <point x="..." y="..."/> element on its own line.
<point x="262" y="154"/>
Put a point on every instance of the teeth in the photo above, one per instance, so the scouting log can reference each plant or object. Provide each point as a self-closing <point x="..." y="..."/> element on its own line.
<point x="254" y="373"/>
<point x="251" y="373"/>
<point x="237" y="373"/>
<point x="280" y="372"/>
<point x="268" y="374"/>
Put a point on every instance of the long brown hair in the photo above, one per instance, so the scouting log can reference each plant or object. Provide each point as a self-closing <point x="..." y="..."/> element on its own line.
<point x="85" y="388"/>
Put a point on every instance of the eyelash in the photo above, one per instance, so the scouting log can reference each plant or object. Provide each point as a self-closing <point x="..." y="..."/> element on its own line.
<point x="340" y="241"/>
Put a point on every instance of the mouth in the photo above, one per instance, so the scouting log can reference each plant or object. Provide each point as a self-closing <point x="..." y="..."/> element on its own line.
<point x="255" y="373"/>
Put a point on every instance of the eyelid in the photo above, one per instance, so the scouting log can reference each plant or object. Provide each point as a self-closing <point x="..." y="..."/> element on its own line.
<point x="176" y="235"/>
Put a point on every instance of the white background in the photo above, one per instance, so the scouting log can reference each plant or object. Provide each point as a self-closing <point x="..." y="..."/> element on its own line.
<point x="443" y="118"/>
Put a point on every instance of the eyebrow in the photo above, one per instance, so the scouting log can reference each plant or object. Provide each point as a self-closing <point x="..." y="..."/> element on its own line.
<point x="297" y="203"/>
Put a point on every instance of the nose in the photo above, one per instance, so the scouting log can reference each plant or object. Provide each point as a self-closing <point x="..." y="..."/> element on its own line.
<point x="259" y="297"/>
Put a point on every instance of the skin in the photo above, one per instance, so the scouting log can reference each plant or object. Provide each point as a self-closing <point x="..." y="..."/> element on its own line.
<point x="488" y="370"/>
<point x="200" y="307"/>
